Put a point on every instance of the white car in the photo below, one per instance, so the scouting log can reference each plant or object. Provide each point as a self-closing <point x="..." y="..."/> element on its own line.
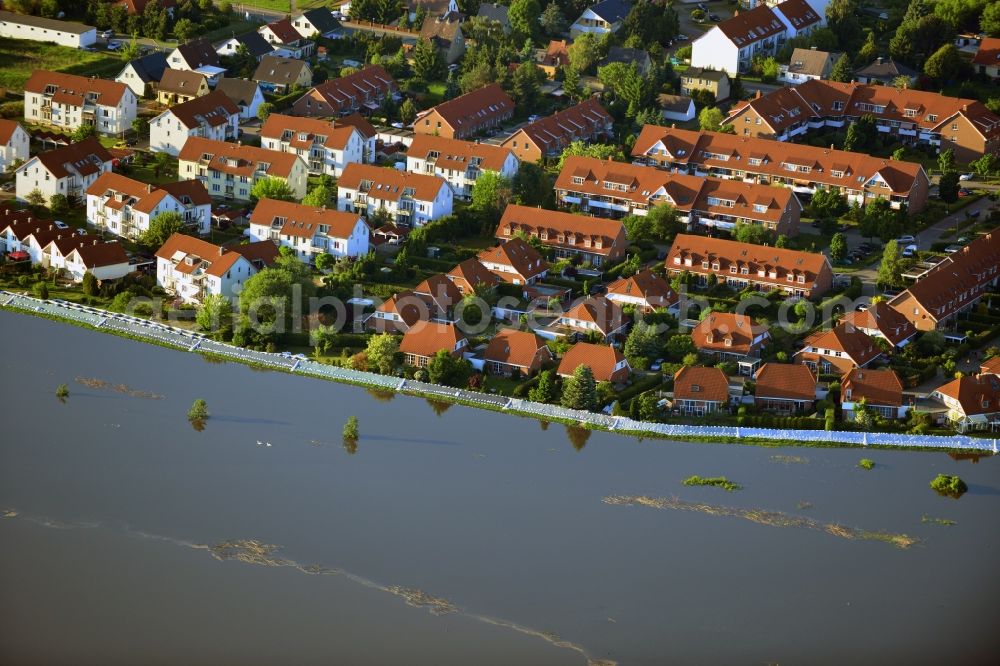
<point x="909" y="250"/>
<point x="906" y="239"/>
<point x="965" y="176"/>
<point x="114" y="46"/>
<point x="60" y="224"/>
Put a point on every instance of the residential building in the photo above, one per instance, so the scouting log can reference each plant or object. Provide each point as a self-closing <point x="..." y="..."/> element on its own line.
<point x="14" y="144"/>
<point x="838" y="350"/>
<point x="467" y="115"/>
<point x="881" y="391"/>
<point x="125" y="207"/>
<point x="68" y="101"/>
<point x="286" y="40"/>
<point x="645" y="291"/>
<point x="278" y="75"/>
<point x="549" y="136"/>
<point x="615" y="189"/>
<point x="785" y="388"/>
<point x="602" y="18"/>
<point x="594" y="315"/>
<point x="55" y="253"/>
<point x="912" y="116"/>
<point x="32" y="239"/>
<point x="990" y="366"/>
<point x="430" y="7"/>
<point x="806" y="274"/>
<point x="807" y="64"/>
<point x="192" y="269"/>
<point x="309" y="231"/>
<point x="244" y="94"/>
<point x="513" y="352"/>
<point x="41" y="29"/>
<point x="181" y="85"/>
<point x="554" y="56"/>
<point x="104" y="260"/>
<point x="884" y="72"/>
<point x="987" y="58"/>
<point x="229" y="170"/>
<point x="514" y="261"/>
<point x="699" y="391"/>
<point x="606" y="363"/>
<point x="458" y="162"/>
<point x="716" y="81"/>
<point x="368" y="133"/>
<point x="973" y="402"/>
<point x="676" y="107"/>
<point x="444" y="31"/>
<point x="732" y="44"/>
<point x="426" y="338"/>
<point x="363" y="90"/>
<point x="318" y="21"/>
<point x="213" y="116"/>
<point x="195" y="55"/>
<point x="471" y="277"/>
<point x="802" y="168"/>
<point x="495" y="12"/>
<point x="253" y="42"/>
<point x="411" y="199"/>
<point x="731" y="337"/>
<point x="68" y="170"/>
<point x="954" y="286"/>
<point x="143" y="74"/>
<point x="594" y="240"/>
<point x="627" y="56"/>
<point x="325" y="146"/>
<point x="880" y="320"/>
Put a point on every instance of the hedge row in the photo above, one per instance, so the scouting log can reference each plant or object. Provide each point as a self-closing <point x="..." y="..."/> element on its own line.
<point x="783" y="422"/>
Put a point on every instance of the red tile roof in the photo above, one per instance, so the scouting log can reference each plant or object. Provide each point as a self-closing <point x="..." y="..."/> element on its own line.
<point x="877" y="387"/>
<point x="427" y="338"/>
<point x="236" y="158"/>
<point x="645" y="285"/>
<point x="988" y="53"/>
<point x="213" y="259"/>
<point x="880" y="317"/>
<point x="214" y="109"/>
<point x="389" y="184"/>
<point x="784" y="380"/>
<point x="596" y="235"/>
<point x="605" y="314"/>
<point x="979" y="394"/>
<point x="71" y="89"/>
<point x="7" y="129"/>
<point x="98" y="254"/>
<point x="514" y="347"/>
<point x="304" y="221"/>
<point x="701" y="383"/>
<point x="347" y="92"/>
<point x="456" y="155"/>
<point x="183" y="81"/>
<point x="601" y="359"/>
<point x="719" y="328"/>
<point x="289" y="128"/>
<point x="851" y="342"/>
<point x="475" y="108"/>
<point x="582" y="121"/>
<point x="752" y="26"/>
<point x="85" y="157"/>
<point x="525" y="260"/>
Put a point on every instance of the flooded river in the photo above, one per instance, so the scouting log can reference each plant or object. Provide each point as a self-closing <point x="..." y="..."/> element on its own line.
<point x="452" y="535"/>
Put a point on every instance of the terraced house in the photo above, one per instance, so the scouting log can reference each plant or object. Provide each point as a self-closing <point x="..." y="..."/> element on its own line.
<point x="467" y="115"/>
<point x="595" y="240"/>
<point x="213" y="116"/>
<point x="361" y="91"/>
<point x="913" y="116"/>
<point x="740" y="265"/>
<point x="615" y="189"/>
<point x="802" y="168"/>
<point x="458" y="162"/>
<point x="309" y="231"/>
<point x="229" y="170"/>
<point x="68" y="101"/>
<point x="124" y="207"/>
<point x="411" y="199"/>
<point x="326" y="147"/>
<point x="68" y="170"/>
<point x="549" y="136"/>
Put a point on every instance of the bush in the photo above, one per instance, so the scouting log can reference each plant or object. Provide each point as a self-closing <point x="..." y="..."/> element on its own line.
<point x="717" y="481"/>
<point x="946" y="484"/>
<point x="866" y="463"/>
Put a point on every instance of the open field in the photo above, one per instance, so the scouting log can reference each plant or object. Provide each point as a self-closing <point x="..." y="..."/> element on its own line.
<point x="20" y="57"/>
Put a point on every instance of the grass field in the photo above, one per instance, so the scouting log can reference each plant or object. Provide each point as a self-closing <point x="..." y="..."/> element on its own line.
<point x="20" y="57"/>
<point x="272" y="5"/>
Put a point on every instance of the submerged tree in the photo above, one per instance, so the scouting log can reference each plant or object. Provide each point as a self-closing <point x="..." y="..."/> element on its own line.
<point x="351" y="435"/>
<point x="198" y="414"/>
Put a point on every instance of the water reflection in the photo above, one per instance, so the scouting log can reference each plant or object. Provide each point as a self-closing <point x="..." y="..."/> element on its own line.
<point x="439" y="406"/>
<point x="578" y="436"/>
<point x="382" y="395"/>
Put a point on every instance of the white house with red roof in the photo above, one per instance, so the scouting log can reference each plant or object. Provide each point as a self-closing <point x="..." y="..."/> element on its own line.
<point x="13" y="143"/>
<point x="308" y="230"/>
<point x="973" y="402"/>
<point x="606" y="363"/>
<point x="326" y="146"/>
<point x="458" y="162"/>
<point x="412" y="199"/>
<point x="213" y="116"/>
<point x="68" y="170"/>
<point x="191" y="268"/>
<point x="645" y="291"/>
<point x="125" y="207"/>
<point x="68" y="101"/>
<point x="514" y="261"/>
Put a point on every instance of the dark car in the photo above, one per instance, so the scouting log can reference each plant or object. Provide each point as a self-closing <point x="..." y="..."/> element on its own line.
<point x="714" y="18"/>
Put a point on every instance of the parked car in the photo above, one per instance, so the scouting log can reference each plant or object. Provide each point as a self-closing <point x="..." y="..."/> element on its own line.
<point x="952" y="249"/>
<point x="964" y="192"/>
<point x="657" y="364"/>
<point x="60" y="224"/>
<point x="906" y="239"/>
<point x="909" y="250"/>
<point x="681" y="38"/>
<point x="966" y="176"/>
<point x="715" y="18"/>
<point x="702" y="6"/>
<point x="8" y="187"/>
<point x="962" y="240"/>
<point x="107" y="34"/>
<point x="114" y="46"/>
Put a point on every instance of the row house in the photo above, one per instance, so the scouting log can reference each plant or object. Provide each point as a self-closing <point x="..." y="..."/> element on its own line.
<point x="422" y="342"/>
<point x="514" y="261"/>
<point x="325" y="146"/>
<point x="594" y="240"/>
<point x="14" y="144"/>
<point x="913" y="116"/>
<point x="805" y="274"/>
<point x="549" y="136"/>
<point x="513" y="352"/>
<point x="286" y="40"/>
<point x="700" y="390"/>
<point x="30" y="236"/>
<point x="177" y="86"/>
<point x="68" y="101"/>
<point x="458" y="162"/>
<point x="954" y="286"/>
<point x="785" y="388"/>
<point x="594" y="315"/>
<point x="362" y="91"/>
<point x="191" y="269"/>
<point x="67" y="170"/>
<point x="838" y="350"/>
<point x="731" y="337"/>
<point x="213" y="117"/>
<point x="973" y="402"/>
<point x="229" y="170"/>
<point x="309" y="231"/>
<point x="467" y="115"/>
<point x="411" y="199"/>
<point x="606" y="363"/>
<point x="75" y="256"/>
<point x="125" y="207"/>
<point x="616" y="189"/>
<point x="880" y="320"/>
<point x="881" y="391"/>
<point x="802" y="168"/>
<point x="645" y="291"/>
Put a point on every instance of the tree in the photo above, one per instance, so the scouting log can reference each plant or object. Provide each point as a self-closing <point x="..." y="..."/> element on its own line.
<point x="35" y="198"/>
<point x="627" y="84"/>
<point x="407" y="111"/>
<point x="382" y="350"/>
<point x="990" y="19"/>
<point x="580" y="390"/>
<point x="946" y="160"/>
<point x="90" y="287"/>
<point x="601" y="151"/>
<point x="769" y="70"/>
<point x="490" y="196"/>
<point x="641" y="346"/>
<point x="184" y="29"/>
<point x="319" y="196"/>
<point x="986" y="165"/>
<point x="680" y="345"/>
<point x="945" y="64"/>
<point x="755" y="234"/>
<point x="869" y="51"/>
<point x="860" y="134"/>
<point x="552" y="20"/>
<point x="162" y="163"/>
<point x="571" y="83"/>
<point x="446" y="370"/>
<point x="83" y="132"/>
<point x="428" y="64"/>
<point x="272" y="292"/>
<point x="264" y="110"/>
<point x="649" y="23"/>
<point x="899" y="153"/>
<point x="523" y="17"/>
<point x="838" y="246"/>
<point x="842" y="71"/>
<point x="890" y="269"/>
<point x="948" y="187"/>
<point x="531" y="186"/>
<point x="162" y="227"/>
<point x="198" y="411"/>
<point x="710" y="119"/>
<point x="214" y="314"/>
<point x="841" y="16"/>
<point x="584" y="52"/>
<point x="271" y="188"/>
<point x="130" y="51"/>
<point x="42" y="290"/>
<point x="828" y="203"/>
<point x="526" y="87"/>
<point x="59" y="204"/>
<point x="545" y="389"/>
<point x="351" y="431"/>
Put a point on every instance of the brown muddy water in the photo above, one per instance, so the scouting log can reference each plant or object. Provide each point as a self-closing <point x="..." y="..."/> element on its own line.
<point x="452" y="535"/>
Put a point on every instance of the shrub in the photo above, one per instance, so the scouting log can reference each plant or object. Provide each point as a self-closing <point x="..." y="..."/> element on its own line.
<point x="866" y="463"/>
<point x="198" y="411"/>
<point x="717" y="481"/>
<point x="946" y="484"/>
<point x="62" y="392"/>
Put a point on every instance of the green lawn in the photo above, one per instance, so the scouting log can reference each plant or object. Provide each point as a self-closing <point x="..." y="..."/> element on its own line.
<point x="235" y="28"/>
<point x="274" y="5"/>
<point x="20" y="57"/>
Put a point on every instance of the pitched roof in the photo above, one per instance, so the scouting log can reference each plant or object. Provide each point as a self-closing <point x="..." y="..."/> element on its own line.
<point x="121" y="191"/>
<point x="786" y="380"/>
<point x="612" y="11"/>
<point x="515" y="347"/>
<point x="991" y="366"/>
<point x="852" y="342"/>
<point x="978" y="394"/>
<point x="358" y="121"/>
<point x="877" y="387"/>
<point x="473" y="273"/>
<point x="389" y="184"/>
<point x="84" y="157"/>
<point x="888" y="321"/>
<point x="605" y="314"/>
<point x="71" y="89"/>
<point x="443" y="29"/>
<point x="519" y="255"/>
<point x="457" y="155"/>
<point x="473" y="108"/>
<point x="188" y="192"/>
<point x="239" y="91"/>
<point x="811" y="62"/>
<point x="301" y="131"/>
<point x="701" y="383"/>
<point x="885" y="68"/>
<point x="757" y="257"/>
<point x="45" y="23"/>
<point x="183" y="81"/>
<point x="284" y="31"/>
<point x="645" y="285"/>
<point x="719" y="328"/>
<point x="304" y="221"/>
<point x="576" y="122"/>
<point x="702" y="73"/>
<point x="199" y="53"/>
<point x="494" y="12"/>
<point x="237" y="159"/>
<point x="988" y="53"/>
<point x="7" y="129"/>
<point x="193" y="255"/>
<point x="579" y="228"/>
<point x="214" y="110"/>
<point x="751" y="26"/>
<point x="556" y="53"/>
<point x="99" y="253"/>
<point x="322" y="19"/>
<point x="675" y="103"/>
<point x="642" y="185"/>
<point x="139" y="6"/>
<point x="275" y="69"/>
<point x="66" y="244"/>
<point x="344" y="91"/>
<point x="798" y="13"/>
<point x="255" y="43"/>
<point x="150" y="68"/>
<point x="601" y="359"/>
<point x="427" y="338"/>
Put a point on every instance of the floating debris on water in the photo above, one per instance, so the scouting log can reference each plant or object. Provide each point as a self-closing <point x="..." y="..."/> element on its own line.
<point x="94" y="383"/>
<point x="250" y="551"/>
<point x="420" y="599"/>
<point x="772" y="518"/>
<point x="937" y="521"/>
<point x="9" y="513"/>
<point x="790" y="460"/>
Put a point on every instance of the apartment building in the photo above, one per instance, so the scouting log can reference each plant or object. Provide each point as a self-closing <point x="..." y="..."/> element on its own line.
<point x="124" y="207"/>
<point x="68" y="170"/>
<point x="595" y="240"/>
<point x="213" y="116"/>
<point x="325" y="146"/>
<point x="68" y="101"/>
<point x="411" y="199"/>
<point x="14" y="143"/>
<point x="514" y="261"/>
<point x="309" y="231"/>
<point x="467" y="115"/>
<point x="362" y="91"/>
<point x="458" y="162"/>
<point x="191" y="269"/>
<point x="549" y="136"/>
<point x="802" y="168"/>
<point x="229" y="170"/>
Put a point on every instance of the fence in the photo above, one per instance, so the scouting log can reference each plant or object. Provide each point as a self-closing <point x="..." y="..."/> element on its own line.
<point x="299" y="364"/>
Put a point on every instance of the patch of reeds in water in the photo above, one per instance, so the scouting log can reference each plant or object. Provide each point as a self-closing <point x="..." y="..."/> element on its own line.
<point x="94" y="383"/>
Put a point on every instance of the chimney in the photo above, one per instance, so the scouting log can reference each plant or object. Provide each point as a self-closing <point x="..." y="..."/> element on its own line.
<point x="149" y="187"/>
<point x="222" y="250"/>
<point x="95" y="242"/>
<point x="757" y="96"/>
<point x="832" y="147"/>
<point x="879" y="60"/>
<point x="51" y="227"/>
<point x="812" y="48"/>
